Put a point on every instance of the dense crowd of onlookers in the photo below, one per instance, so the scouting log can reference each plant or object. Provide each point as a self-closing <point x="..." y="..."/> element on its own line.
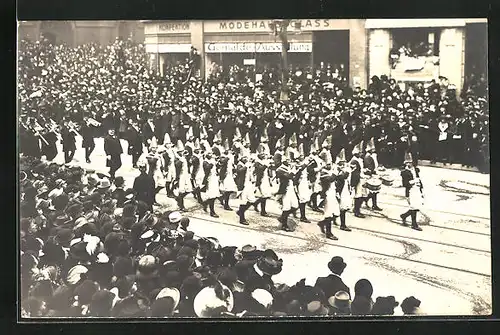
<point x="114" y="85"/>
<point x="90" y="249"/>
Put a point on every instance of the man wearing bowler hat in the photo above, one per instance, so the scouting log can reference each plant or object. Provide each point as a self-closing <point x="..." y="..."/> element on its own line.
<point x="113" y="149"/>
<point x="332" y="283"/>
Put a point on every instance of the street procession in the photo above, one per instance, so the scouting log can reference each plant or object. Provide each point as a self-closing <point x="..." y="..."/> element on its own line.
<point x="118" y="163"/>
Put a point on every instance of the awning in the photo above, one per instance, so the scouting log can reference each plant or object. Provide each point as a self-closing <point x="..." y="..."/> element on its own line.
<point x="413" y="23"/>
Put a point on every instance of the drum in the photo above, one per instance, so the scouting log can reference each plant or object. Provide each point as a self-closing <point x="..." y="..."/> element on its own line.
<point x="387" y="180"/>
<point x="373" y="184"/>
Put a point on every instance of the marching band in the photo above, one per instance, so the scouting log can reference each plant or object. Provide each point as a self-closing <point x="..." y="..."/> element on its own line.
<point x="211" y="171"/>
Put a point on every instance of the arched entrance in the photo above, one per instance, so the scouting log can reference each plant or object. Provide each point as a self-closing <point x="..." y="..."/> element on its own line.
<point x="58" y="32"/>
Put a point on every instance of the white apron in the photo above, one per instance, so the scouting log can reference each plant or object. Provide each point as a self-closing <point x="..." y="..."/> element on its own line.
<point x="248" y="193"/>
<point x="184" y="178"/>
<point x="228" y="184"/>
<point x="200" y="174"/>
<point x="170" y="169"/>
<point x="290" y="200"/>
<point x="212" y="191"/>
<point x="332" y="206"/>
<point x="345" y="197"/>
<point x="304" y="191"/>
<point x="265" y="190"/>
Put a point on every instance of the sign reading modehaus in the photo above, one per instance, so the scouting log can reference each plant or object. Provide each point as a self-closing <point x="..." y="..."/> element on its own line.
<point x="255" y="47"/>
<point x="263" y="25"/>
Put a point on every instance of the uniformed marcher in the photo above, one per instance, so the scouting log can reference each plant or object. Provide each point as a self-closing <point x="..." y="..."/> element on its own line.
<point x="197" y="174"/>
<point x="263" y="182"/>
<point x="371" y="166"/>
<point x="314" y="177"/>
<point x="68" y="141"/>
<point x="88" y="133"/>
<point x="302" y="184"/>
<point x="357" y="181"/>
<point x="227" y="185"/>
<point x="413" y="191"/>
<point x="183" y="178"/>
<point x="210" y="190"/>
<point x="49" y="146"/>
<point x="245" y="180"/>
<point x="286" y="192"/>
<point x="344" y="195"/>
<point x="332" y="209"/>
<point x="114" y="150"/>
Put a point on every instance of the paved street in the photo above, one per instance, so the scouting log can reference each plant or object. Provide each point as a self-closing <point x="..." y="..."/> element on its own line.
<point x="447" y="265"/>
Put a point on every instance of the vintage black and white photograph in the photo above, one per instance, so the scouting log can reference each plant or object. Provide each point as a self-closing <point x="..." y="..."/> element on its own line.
<point x="335" y="168"/>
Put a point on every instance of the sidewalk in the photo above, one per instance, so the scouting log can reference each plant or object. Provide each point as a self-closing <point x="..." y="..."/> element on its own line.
<point x="447" y="166"/>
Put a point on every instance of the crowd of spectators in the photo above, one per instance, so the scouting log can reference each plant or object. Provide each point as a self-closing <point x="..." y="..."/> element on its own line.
<point x="114" y="85"/>
<point x="90" y="249"/>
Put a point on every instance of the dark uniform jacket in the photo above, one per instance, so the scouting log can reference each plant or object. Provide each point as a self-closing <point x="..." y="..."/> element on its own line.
<point x="406" y="177"/>
<point x="68" y="139"/>
<point x="241" y="171"/>
<point x="134" y="141"/>
<point x="88" y="133"/>
<point x="283" y="174"/>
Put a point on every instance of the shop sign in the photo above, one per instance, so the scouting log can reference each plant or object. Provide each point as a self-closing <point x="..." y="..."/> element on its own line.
<point x="255" y="47"/>
<point x="174" y="26"/>
<point x="263" y="25"/>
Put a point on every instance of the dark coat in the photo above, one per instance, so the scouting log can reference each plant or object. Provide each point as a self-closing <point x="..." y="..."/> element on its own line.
<point x="113" y="148"/>
<point x="134" y="141"/>
<point x="144" y="188"/>
<point x="68" y="140"/>
<point x="331" y="285"/>
<point x="283" y="177"/>
<point x="88" y="133"/>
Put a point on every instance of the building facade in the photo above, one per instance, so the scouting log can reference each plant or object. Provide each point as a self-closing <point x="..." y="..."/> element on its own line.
<point x="340" y="43"/>
<point x="75" y="33"/>
<point x="413" y="50"/>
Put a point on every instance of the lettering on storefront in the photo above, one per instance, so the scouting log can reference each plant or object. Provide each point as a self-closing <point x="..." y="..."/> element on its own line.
<point x="174" y="26"/>
<point x="247" y="25"/>
<point x="255" y="47"/>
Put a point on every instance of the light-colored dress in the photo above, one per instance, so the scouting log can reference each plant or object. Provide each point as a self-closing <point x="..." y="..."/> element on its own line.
<point x="304" y="190"/>
<point x="200" y="174"/>
<point x="265" y="190"/>
<point x="332" y="206"/>
<point x="228" y="184"/>
<point x="185" y="185"/>
<point x="212" y="191"/>
<point x="170" y="169"/>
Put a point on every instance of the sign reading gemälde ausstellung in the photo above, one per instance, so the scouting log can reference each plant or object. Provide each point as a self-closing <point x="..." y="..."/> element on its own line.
<point x="255" y="47"/>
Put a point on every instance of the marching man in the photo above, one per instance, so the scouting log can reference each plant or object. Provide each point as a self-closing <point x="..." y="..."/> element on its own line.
<point x="357" y="180"/>
<point x="413" y="191"/>
<point x="263" y="182"/>
<point x="286" y="192"/>
<point x="156" y="166"/>
<point x="343" y="189"/>
<point x="315" y="175"/>
<point x="169" y="161"/>
<point x="332" y="209"/>
<point x="114" y="150"/>
<point x="197" y="174"/>
<point x="304" y="190"/>
<point x="210" y="190"/>
<point x="371" y="165"/>
<point x="183" y="178"/>
<point x="228" y="185"/>
<point x="246" y="187"/>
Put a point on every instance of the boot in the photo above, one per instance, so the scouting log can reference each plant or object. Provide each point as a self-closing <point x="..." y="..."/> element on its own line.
<point x="241" y="214"/>
<point x="374" y="203"/>
<point x="180" y="203"/>
<point x="284" y="221"/>
<point x="357" y="208"/>
<point x="263" y="208"/>
<point x="169" y="191"/>
<point x="221" y="200"/>
<point x="322" y="225"/>
<point x="205" y="206"/>
<point x="342" y="222"/>
<point x="414" y="224"/>
<point x="403" y="218"/>
<point x="294" y="212"/>
<point x="226" y="202"/>
<point x="314" y="203"/>
<point x="212" y="208"/>
<point x="198" y="196"/>
<point x="256" y="205"/>
<point x="365" y="200"/>
<point x="328" y="229"/>
<point x="302" y="208"/>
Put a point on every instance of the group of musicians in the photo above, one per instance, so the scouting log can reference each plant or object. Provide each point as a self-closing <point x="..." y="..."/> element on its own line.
<point x="214" y="170"/>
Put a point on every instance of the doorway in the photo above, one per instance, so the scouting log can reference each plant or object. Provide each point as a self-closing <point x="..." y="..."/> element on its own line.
<point x="332" y="48"/>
